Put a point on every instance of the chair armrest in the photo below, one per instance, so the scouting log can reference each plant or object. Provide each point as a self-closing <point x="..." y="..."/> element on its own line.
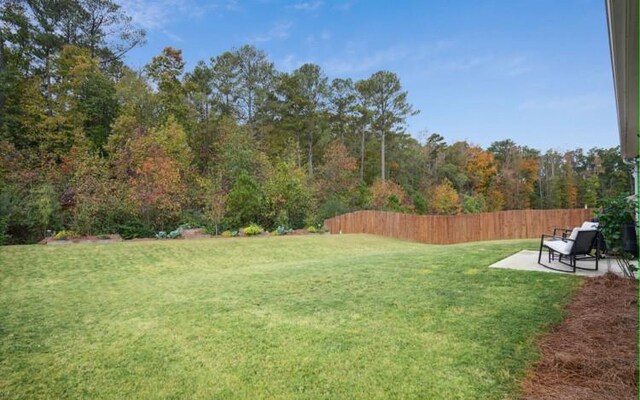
<point x="554" y="237"/>
<point x="565" y="231"/>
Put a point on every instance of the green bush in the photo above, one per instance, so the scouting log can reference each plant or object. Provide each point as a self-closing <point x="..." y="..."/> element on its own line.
<point x="289" y="196"/>
<point x="393" y="204"/>
<point x="4" y="227"/>
<point x="419" y="204"/>
<point x="617" y="212"/>
<point x="230" y="233"/>
<point x="176" y="233"/>
<point x="331" y="208"/>
<point x="473" y="204"/>
<point x="312" y="229"/>
<point x="66" y="235"/>
<point x="173" y="234"/>
<point x="27" y="211"/>
<point x="245" y="203"/>
<point x="281" y="230"/>
<point x="253" y="230"/>
<point x="134" y="229"/>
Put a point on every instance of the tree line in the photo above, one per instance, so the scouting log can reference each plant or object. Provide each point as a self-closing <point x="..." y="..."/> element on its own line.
<point x="89" y="144"/>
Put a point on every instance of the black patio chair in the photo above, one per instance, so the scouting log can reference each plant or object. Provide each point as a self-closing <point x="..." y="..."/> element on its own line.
<point x="579" y="246"/>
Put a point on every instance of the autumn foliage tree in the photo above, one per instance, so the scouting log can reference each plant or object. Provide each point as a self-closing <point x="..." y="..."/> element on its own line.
<point x="388" y="195"/>
<point x="337" y="177"/>
<point x="446" y="200"/>
<point x="481" y="167"/>
<point x="87" y="189"/>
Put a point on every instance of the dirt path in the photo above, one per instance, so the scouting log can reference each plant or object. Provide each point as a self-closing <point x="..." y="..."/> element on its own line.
<point x="593" y="354"/>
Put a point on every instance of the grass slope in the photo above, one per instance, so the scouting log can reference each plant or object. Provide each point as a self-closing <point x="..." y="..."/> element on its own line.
<point x="350" y="316"/>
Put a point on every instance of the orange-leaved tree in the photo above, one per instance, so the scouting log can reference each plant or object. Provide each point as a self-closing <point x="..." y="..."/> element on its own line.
<point x="337" y="176"/>
<point x="446" y="200"/>
<point x="388" y="195"/>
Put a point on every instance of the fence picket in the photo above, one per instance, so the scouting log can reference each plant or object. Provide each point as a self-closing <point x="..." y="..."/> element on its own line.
<point x="440" y="229"/>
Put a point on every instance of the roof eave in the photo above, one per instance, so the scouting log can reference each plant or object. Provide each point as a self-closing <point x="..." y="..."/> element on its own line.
<point x="622" y="21"/>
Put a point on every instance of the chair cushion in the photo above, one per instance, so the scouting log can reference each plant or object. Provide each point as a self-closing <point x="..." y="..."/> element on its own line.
<point x="588" y="225"/>
<point x="574" y="233"/>
<point x="559" y="245"/>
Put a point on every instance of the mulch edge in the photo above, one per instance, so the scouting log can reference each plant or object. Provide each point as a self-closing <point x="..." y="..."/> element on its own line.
<point x="593" y="353"/>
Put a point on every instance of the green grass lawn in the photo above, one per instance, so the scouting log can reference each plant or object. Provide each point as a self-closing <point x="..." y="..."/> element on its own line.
<point x="342" y="316"/>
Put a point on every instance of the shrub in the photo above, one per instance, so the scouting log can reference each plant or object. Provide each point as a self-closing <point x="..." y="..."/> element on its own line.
<point x="473" y="204"/>
<point x="446" y="200"/>
<point x="331" y="208"/>
<point x="419" y="203"/>
<point x="312" y="229"/>
<point x="134" y="229"/>
<point x="281" y="230"/>
<point x="617" y="212"/>
<point x="390" y="196"/>
<point x="245" y="203"/>
<point x="230" y="233"/>
<point x="173" y="234"/>
<point x="289" y="196"/>
<point x="66" y="234"/>
<point x="176" y="233"/>
<point x="4" y="226"/>
<point x="393" y="203"/>
<point x="253" y="230"/>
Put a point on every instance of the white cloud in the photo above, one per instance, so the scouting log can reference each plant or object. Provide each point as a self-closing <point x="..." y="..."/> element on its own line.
<point x="157" y="14"/>
<point x="307" y="5"/>
<point x="346" y="6"/>
<point x="510" y="65"/>
<point x="314" y="40"/>
<point x="279" y="31"/>
<point x="148" y="14"/>
<point x="467" y="63"/>
<point x="173" y="36"/>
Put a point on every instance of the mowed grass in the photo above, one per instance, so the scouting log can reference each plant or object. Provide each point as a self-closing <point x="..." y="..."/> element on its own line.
<point x="311" y="317"/>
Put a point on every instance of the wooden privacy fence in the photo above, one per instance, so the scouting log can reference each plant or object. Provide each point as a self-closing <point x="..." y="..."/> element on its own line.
<point x="441" y="229"/>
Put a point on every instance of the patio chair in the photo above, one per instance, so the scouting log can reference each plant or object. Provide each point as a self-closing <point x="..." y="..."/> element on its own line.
<point x="565" y="232"/>
<point x="579" y="246"/>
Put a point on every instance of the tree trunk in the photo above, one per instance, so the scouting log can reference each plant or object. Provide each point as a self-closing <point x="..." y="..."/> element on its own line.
<point x="362" y="157"/>
<point x="298" y="146"/>
<point x="48" y="91"/>
<point x="382" y="166"/>
<point x="3" y="67"/>
<point x="310" y="156"/>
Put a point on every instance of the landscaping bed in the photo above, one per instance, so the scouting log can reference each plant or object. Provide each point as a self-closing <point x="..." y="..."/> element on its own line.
<point x="191" y="233"/>
<point x="593" y="354"/>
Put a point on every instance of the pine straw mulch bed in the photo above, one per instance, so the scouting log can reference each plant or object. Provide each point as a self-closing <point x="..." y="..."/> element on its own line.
<point x="593" y="354"/>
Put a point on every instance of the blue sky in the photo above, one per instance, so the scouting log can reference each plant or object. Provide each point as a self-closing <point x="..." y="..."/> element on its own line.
<point x="537" y="72"/>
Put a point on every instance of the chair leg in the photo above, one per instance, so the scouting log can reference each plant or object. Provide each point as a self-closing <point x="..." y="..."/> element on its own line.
<point x="540" y="252"/>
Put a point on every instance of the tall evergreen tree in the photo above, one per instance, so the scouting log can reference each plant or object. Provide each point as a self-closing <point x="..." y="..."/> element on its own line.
<point x="389" y="107"/>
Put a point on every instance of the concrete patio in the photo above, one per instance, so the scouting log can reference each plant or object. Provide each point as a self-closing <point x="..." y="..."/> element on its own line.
<point x="527" y="260"/>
